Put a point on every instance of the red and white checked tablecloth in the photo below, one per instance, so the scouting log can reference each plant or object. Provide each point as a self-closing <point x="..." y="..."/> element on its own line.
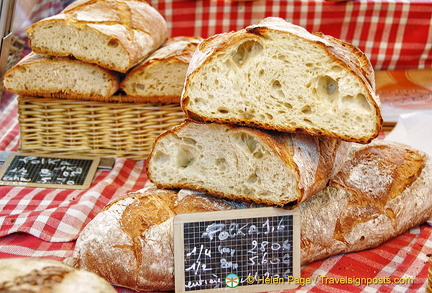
<point x="43" y="223"/>
<point x="394" y="34"/>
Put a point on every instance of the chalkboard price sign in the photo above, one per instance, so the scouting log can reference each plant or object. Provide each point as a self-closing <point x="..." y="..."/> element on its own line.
<point x="249" y="250"/>
<point x="41" y="170"/>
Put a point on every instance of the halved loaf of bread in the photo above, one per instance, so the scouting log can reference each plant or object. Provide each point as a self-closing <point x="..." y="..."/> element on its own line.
<point x="242" y="163"/>
<point x="276" y="75"/>
<point x="160" y="77"/>
<point x="381" y="191"/>
<point x="61" y="77"/>
<point x="115" y="34"/>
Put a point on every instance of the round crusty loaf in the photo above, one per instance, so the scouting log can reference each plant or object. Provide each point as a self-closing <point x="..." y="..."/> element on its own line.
<point x="115" y="34"/>
<point x="35" y="275"/>
<point x="61" y="77"/>
<point x="160" y="77"/>
<point x="276" y="75"/>
<point x="130" y="243"/>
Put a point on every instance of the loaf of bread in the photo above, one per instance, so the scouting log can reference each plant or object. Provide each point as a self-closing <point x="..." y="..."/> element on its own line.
<point x="130" y="243"/>
<point x="381" y="191"/>
<point x="160" y="77"/>
<point x="61" y="77"/>
<point x="242" y="163"/>
<point x="115" y="34"/>
<point x="38" y="275"/>
<point x="278" y="76"/>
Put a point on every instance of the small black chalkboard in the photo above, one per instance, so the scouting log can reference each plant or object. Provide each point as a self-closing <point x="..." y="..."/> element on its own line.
<point x="249" y="250"/>
<point x="49" y="171"/>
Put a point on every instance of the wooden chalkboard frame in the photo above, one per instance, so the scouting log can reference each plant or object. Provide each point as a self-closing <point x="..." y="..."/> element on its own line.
<point x="94" y="162"/>
<point x="252" y="213"/>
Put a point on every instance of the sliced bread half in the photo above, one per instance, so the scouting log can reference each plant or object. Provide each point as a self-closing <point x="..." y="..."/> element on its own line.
<point x="115" y="34"/>
<point x="276" y="75"/>
<point x="160" y="77"/>
<point x="243" y="163"/>
<point x="61" y="77"/>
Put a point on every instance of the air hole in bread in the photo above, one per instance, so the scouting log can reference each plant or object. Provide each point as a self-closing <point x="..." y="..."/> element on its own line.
<point x="112" y="43"/>
<point x="336" y="69"/>
<point x="288" y="105"/>
<point x="280" y="94"/>
<point x="223" y="110"/>
<point x="252" y="178"/>
<point x="245" y="51"/>
<point x="269" y="116"/>
<point x="306" y="109"/>
<point x="248" y="141"/>
<point x="276" y="85"/>
<point x="258" y="154"/>
<point x="327" y="86"/>
<point x="161" y="158"/>
<point x="307" y="121"/>
<point x="359" y="103"/>
<point x="197" y="101"/>
<point x="185" y="156"/>
<point x="221" y="163"/>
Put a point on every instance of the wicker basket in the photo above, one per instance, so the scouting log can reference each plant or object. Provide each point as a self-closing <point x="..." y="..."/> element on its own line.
<point x="93" y="128"/>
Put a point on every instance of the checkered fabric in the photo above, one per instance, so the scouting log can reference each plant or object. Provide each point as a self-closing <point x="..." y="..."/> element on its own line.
<point x="394" y="34"/>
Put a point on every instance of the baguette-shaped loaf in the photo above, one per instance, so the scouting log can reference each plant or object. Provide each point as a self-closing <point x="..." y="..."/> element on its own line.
<point x="160" y="77"/>
<point x="24" y="274"/>
<point x="130" y="243"/>
<point x="276" y="75"/>
<point x="242" y="163"/>
<point x="61" y="77"/>
<point x="381" y="192"/>
<point x="115" y="34"/>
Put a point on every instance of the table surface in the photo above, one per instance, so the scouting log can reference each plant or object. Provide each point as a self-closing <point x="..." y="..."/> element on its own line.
<point x="44" y="223"/>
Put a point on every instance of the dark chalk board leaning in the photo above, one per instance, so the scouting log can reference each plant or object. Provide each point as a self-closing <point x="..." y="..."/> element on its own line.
<point x="48" y="171"/>
<point x="248" y="250"/>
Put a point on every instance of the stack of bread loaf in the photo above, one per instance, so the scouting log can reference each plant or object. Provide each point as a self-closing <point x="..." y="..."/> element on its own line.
<point x="105" y="50"/>
<point x="276" y="116"/>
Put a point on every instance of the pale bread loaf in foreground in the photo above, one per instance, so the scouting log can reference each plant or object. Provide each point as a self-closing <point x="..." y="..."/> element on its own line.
<point x="130" y="243"/>
<point x="115" y="34"/>
<point x="276" y="75"/>
<point x="160" y="77"/>
<point x="242" y="163"/>
<point x="381" y="191"/>
<point x="40" y="275"/>
<point x="61" y="77"/>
